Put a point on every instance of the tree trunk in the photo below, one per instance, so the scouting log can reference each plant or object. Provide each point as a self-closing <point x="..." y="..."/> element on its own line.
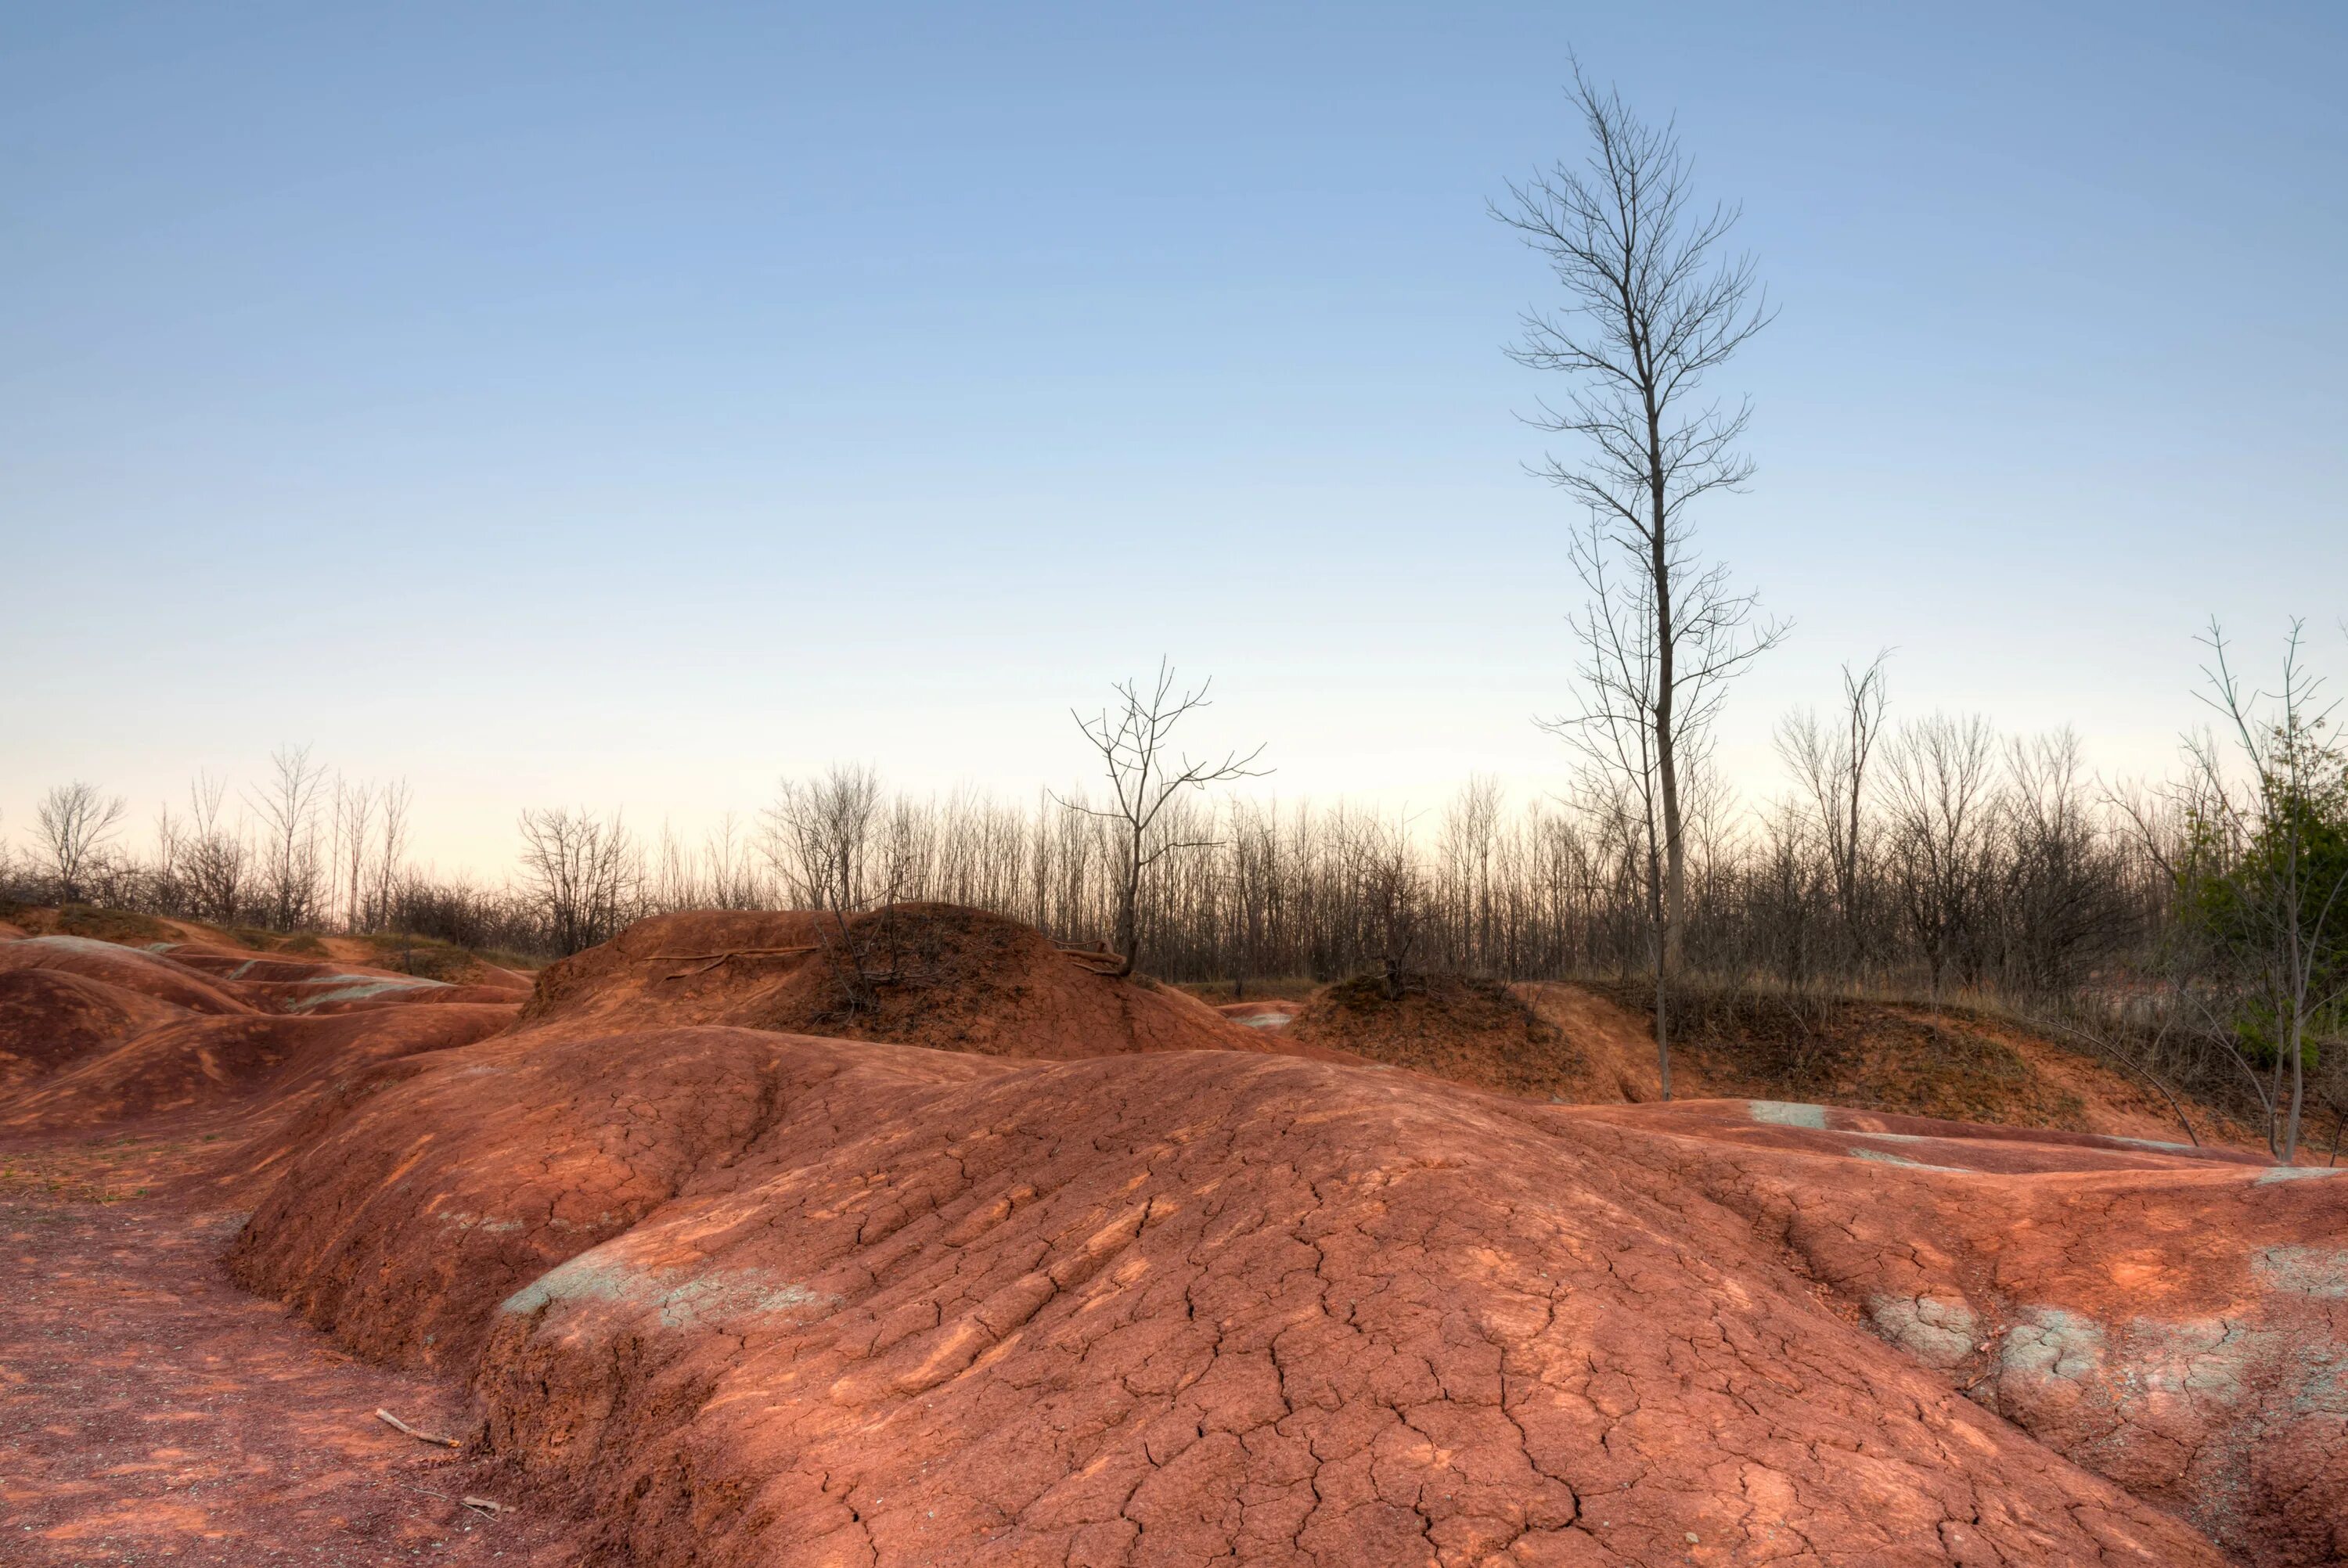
<point x="1129" y="897"/>
<point x="1666" y="694"/>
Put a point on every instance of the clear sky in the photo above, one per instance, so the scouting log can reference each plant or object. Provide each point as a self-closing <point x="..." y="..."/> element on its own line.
<point x="624" y="405"/>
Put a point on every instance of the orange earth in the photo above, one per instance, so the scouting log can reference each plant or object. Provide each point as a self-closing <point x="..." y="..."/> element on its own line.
<point x="927" y="1243"/>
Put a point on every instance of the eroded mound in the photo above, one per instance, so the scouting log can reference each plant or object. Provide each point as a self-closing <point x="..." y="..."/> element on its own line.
<point x="200" y="1063"/>
<point x="935" y="974"/>
<point x="2177" y="1318"/>
<point x="134" y="969"/>
<point x="49" y="1018"/>
<point x="94" y="1035"/>
<point x="750" y="1298"/>
<point x="1951" y="1061"/>
<point x="1460" y="1027"/>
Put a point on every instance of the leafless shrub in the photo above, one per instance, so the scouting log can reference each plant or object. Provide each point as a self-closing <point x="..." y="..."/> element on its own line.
<point x="78" y="824"/>
<point x="291" y="865"/>
<point x="579" y="874"/>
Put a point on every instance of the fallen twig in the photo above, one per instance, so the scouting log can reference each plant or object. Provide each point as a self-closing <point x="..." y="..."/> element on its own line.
<point x="730" y="953"/>
<point x="714" y="959"/>
<point x="488" y="1508"/>
<point x="387" y="1419"/>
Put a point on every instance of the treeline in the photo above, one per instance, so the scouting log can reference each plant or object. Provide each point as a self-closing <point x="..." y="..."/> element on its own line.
<point x="2199" y="930"/>
<point x="1968" y="863"/>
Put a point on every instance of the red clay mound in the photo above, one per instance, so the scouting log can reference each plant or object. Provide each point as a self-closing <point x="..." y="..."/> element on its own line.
<point x="128" y="969"/>
<point x="276" y="984"/>
<point x="750" y="1298"/>
<point x="208" y="1063"/>
<point x="159" y="1039"/>
<point x="2174" y="1319"/>
<point x="49" y="1017"/>
<point x="936" y="975"/>
<point x="1460" y="1027"/>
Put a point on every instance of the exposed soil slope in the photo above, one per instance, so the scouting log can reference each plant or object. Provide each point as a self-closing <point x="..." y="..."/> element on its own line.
<point x="1952" y="1061"/>
<point x="1067" y="1292"/>
<point x="152" y="1411"/>
<point x="50" y="1019"/>
<point x="936" y="975"/>
<point x="751" y="1298"/>
<point x="94" y="1034"/>
<point x="1595" y="1045"/>
<point x="2174" y="1319"/>
<point x="1459" y="1026"/>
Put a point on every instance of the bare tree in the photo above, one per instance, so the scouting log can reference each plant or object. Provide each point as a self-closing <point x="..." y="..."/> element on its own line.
<point x="217" y="860"/>
<point x="817" y="832"/>
<point x="733" y="881"/>
<point x="354" y="831"/>
<point x="1132" y="740"/>
<point x="75" y="823"/>
<point x="1652" y="306"/>
<point x="580" y="874"/>
<point x="1830" y="764"/>
<point x="289" y="862"/>
<point x="391" y="854"/>
<point x="2276" y="889"/>
<point x="1939" y="794"/>
<point x="1389" y="893"/>
<point x="1653" y="309"/>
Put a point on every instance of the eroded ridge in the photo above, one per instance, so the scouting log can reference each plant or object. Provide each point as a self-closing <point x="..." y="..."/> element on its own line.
<point x="2174" y="1319"/>
<point x="756" y="1299"/>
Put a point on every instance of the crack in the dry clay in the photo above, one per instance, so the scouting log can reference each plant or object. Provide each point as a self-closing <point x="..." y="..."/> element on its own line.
<point x="2317" y="1271"/>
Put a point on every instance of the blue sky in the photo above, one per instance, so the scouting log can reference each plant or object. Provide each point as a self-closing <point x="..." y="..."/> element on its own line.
<point x="626" y="404"/>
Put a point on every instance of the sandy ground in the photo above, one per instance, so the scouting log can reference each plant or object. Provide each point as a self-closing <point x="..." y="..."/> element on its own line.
<point x="152" y="1413"/>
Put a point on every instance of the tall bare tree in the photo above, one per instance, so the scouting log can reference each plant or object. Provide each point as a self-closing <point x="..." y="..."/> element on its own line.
<point x="391" y="855"/>
<point x="1653" y="305"/>
<point x="76" y="822"/>
<point x="817" y="834"/>
<point x="354" y="831"/>
<point x="1132" y="738"/>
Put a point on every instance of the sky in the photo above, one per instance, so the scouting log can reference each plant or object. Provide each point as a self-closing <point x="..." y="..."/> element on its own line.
<point x="625" y="407"/>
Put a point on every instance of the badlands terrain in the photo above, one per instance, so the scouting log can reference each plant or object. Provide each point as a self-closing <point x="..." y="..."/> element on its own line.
<point x="716" y="1246"/>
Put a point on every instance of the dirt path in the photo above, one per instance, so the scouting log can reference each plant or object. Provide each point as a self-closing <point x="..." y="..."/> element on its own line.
<point x="152" y="1413"/>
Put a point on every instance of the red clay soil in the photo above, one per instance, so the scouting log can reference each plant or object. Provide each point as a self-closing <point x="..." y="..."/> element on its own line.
<point x="50" y="1019"/>
<point x="126" y="968"/>
<point x="717" y="1294"/>
<point x="1462" y="1027"/>
<point x="935" y="974"/>
<point x="742" y="1298"/>
<point x="152" y="1413"/>
<point x="2174" y="1319"/>
<point x="93" y="1035"/>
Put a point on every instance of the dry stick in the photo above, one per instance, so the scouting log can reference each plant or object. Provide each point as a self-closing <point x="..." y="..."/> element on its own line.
<point x="387" y="1419"/>
<point x="717" y="958"/>
<point x="729" y="953"/>
<point x="488" y="1508"/>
